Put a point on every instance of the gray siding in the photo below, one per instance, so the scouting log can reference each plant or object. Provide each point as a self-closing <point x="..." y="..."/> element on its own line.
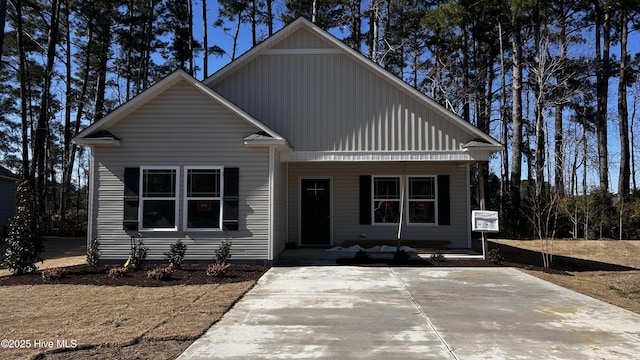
<point x="345" y="216"/>
<point x="180" y="127"/>
<point x="331" y="102"/>
<point x="7" y="202"/>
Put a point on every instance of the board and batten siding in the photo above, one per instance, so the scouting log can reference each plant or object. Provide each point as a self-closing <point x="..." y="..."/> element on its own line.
<point x="345" y="199"/>
<point x="331" y="102"/>
<point x="182" y="127"/>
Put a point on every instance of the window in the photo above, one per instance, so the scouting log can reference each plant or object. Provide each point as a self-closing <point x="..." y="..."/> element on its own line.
<point x="158" y="198"/>
<point x="422" y="199"/>
<point x="386" y="199"/>
<point x="203" y="198"/>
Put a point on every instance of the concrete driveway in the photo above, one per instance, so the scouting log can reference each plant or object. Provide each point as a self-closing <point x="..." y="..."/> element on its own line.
<point x="341" y="312"/>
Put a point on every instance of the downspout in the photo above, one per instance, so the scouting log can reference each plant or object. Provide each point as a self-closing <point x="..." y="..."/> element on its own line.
<point x="270" y="232"/>
<point x="91" y="202"/>
<point x="401" y="218"/>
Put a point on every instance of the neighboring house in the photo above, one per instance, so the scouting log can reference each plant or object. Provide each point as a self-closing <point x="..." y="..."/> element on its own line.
<point x="7" y="198"/>
<point x="301" y="141"/>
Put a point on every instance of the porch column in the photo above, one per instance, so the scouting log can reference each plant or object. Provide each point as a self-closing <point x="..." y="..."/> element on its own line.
<point x="481" y="183"/>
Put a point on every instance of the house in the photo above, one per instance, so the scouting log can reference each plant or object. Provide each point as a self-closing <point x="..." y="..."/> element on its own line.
<point x="7" y="198"/>
<point x="300" y="141"/>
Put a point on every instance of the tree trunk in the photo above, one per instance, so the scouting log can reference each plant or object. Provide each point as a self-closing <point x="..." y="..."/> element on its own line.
<point x="42" y="128"/>
<point x="603" y="33"/>
<point x="270" y="17"/>
<point x="3" y="16"/>
<point x="205" y="40"/>
<point x="24" y="98"/>
<point x="623" y="115"/>
<point x="516" y="113"/>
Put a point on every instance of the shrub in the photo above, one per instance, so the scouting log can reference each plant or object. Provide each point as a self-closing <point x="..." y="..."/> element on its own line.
<point x="53" y="273"/>
<point x="495" y="256"/>
<point x="137" y="255"/>
<point x="401" y="256"/>
<point x="361" y="255"/>
<point x="118" y="272"/>
<point x="217" y="270"/>
<point x="160" y="273"/>
<point x="223" y="254"/>
<point x="24" y="242"/>
<point x="93" y="254"/>
<point x="176" y="252"/>
<point x="438" y="256"/>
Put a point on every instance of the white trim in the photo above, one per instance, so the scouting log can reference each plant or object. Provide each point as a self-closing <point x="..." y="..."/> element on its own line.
<point x="444" y="155"/>
<point x="185" y="198"/>
<point x="468" y="192"/>
<point x="270" y="226"/>
<point x="176" y="198"/>
<point x="299" y="190"/>
<point x="92" y="187"/>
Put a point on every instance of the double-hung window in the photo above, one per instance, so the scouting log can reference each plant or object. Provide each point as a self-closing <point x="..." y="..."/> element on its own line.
<point x="386" y="199"/>
<point x="203" y="198"/>
<point x="422" y="199"/>
<point x="159" y="198"/>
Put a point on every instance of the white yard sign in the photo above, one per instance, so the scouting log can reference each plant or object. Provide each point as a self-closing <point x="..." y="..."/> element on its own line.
<point x="485" y="221"/>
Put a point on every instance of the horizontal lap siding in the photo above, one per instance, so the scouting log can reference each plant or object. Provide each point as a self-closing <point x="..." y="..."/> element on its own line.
<point x="330" y="102"/>
<point x="346" y="210"/>
<point x="178" y="128"/>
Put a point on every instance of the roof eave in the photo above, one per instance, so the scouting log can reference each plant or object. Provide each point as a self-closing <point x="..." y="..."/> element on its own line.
<point x="96" y="141"/>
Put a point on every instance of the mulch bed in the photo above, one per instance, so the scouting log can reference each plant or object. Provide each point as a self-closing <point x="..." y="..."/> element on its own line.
<point x="185" y="275"/>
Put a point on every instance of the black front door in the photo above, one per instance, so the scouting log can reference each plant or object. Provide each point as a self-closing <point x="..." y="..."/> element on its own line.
<point x="315" y="212"/>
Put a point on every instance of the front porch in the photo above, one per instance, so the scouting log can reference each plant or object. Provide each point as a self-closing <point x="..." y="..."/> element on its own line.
<point x="324" y="257"/>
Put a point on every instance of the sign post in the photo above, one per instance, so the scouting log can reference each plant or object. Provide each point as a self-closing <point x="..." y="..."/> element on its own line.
<point x="484" y="221"/>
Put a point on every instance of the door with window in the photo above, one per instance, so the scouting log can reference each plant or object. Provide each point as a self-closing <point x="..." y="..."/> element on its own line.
<point x="315" y="212"/>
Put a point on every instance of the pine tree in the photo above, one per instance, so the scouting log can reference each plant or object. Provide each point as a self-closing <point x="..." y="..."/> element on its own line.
<point x="24" y="243"/>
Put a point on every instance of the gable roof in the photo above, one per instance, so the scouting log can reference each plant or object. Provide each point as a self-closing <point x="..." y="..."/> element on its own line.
<point x="270" y="45"/>
<point x="6" y="174"/>
<point x="97" y="133"/>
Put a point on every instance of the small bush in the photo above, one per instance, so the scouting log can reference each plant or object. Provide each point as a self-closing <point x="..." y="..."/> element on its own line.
<point x="438" y="256"/>
<point x="93" y="254"/>
<point x="223" y="254"/>
<point x="118" y="272"/>
<point x="160" y="273"/>
<point x="401" y="256"/>
<point x="495" y="257"/>
<point x="176" y="253"/>
<point x="361" y="255"/>
<point x="138" y="255"/>
<point x="53" y="273"/>
<point x="217" y="270"/>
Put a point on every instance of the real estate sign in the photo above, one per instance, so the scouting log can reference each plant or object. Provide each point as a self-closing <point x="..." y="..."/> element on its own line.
<point x="485" y="221"/>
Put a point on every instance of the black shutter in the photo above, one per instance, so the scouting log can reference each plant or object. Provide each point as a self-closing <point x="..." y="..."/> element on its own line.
<point x="365" y="199"/>
<point x="230" y="201"/>
<point x="444" y="200"/>
<point x="131" y="199"/>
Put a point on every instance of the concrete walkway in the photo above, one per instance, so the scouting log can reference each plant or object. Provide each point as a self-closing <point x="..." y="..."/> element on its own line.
<point x="341" y="312"/>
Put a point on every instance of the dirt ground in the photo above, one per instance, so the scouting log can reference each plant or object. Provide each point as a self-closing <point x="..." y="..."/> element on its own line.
<point x="139" y="318"/>
<point x="608" y="270"/>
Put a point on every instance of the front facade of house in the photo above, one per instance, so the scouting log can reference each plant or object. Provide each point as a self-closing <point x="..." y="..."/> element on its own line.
<point x="8" y="195"/>
<point x="299" y="141"/>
